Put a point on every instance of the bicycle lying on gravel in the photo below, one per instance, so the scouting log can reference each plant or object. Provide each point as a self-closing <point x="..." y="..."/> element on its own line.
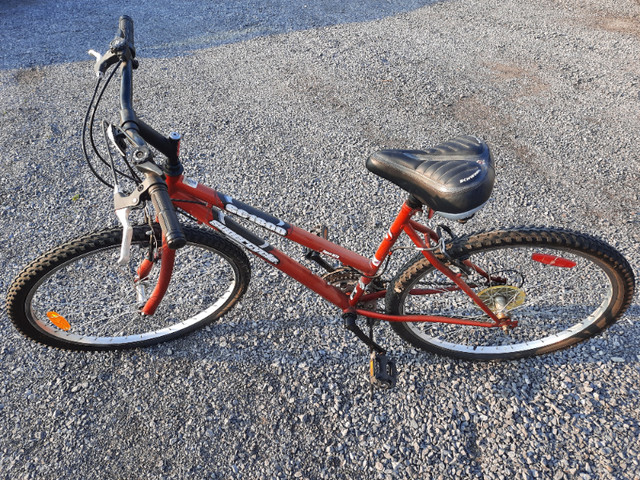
<point x="501" y="294"/>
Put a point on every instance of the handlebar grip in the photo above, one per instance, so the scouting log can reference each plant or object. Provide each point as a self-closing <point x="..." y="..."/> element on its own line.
<point x="125" y="24"/>
<point x="173" y="234"/>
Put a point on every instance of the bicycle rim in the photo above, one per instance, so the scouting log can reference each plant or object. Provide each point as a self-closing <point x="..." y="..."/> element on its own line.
<point x="89" y="301"/>
<point x="559" y="295"/>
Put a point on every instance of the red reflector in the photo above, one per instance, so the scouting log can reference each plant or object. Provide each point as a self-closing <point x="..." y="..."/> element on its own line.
<point x="553" y="260"/>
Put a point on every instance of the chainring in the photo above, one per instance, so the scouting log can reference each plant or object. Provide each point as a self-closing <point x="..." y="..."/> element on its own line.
<point x="346" y="279"/>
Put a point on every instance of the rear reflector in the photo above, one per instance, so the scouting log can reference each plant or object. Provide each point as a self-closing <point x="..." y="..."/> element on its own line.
<point x="553" y="260"/>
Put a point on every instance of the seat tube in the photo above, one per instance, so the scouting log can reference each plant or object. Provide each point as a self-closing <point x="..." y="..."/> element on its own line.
<point x="409" y="208"/>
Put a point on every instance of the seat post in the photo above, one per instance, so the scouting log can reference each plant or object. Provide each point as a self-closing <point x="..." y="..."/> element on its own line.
<point x="413" y="202"/>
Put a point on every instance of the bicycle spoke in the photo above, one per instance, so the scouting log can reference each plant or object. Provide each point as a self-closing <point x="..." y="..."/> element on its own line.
<point x="552" y="303"/>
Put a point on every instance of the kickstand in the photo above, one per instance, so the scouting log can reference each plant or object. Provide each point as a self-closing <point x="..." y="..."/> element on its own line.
<point x="372" y="355"/>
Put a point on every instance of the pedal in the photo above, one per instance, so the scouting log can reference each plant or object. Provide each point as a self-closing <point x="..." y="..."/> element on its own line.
<point x="323" y="232"/>
<point x="382" y="371"/>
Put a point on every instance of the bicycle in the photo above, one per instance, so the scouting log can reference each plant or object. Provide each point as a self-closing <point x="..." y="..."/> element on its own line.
<point x="502" y="294"/>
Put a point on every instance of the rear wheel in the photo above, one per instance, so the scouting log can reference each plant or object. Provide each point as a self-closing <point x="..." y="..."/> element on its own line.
<point x="77" y="297"/>
<point x="561" y="287"/>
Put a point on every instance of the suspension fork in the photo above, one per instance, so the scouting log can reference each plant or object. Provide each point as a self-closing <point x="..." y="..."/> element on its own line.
<point x="168" y="256"/>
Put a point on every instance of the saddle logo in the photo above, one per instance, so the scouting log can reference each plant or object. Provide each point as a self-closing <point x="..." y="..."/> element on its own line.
<point x="473" y="175"/>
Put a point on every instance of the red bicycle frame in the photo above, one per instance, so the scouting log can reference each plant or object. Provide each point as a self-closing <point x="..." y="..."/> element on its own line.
<point x="208" y="207"/>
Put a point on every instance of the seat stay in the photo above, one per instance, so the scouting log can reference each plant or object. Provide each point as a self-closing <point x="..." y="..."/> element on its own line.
<point x="446" y="271"/>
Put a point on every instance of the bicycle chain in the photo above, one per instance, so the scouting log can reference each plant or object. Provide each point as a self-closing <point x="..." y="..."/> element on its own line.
<point x="346" y="279"/>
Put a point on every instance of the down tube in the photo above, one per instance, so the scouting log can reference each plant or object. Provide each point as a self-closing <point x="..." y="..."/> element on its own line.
<point x="263" y="250"/>
<point x="310" y="280"/>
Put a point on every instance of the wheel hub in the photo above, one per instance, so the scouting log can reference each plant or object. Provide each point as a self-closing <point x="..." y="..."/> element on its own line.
<point x="502" y="298"/>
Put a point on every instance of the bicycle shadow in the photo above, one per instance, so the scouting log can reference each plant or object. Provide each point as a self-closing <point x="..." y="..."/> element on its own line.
<point x="234" y="341"/>
<point x="43" y="33"/>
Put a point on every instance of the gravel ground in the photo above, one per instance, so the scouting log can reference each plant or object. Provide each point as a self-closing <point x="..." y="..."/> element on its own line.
<point x="280" y="103"/>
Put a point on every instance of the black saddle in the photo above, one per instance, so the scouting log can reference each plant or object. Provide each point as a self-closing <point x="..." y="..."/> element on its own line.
<point x="454" y="178"/>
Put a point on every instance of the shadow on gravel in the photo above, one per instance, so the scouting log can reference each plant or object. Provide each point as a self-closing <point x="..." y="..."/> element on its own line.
<point x="610" y="348"/>
<point x="40" y="32"/>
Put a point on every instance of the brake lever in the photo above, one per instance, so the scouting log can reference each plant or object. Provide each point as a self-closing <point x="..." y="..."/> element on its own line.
<point x="103" y="61"/>
<point x="124" y="204"/>
<point x="127" y="235"/>
<point x="95" y="54"/>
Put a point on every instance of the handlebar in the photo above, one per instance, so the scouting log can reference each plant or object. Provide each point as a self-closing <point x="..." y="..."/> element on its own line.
<point x="123" y="47"/>
<point x="125" y="26"/>
<point x="128" y="118"/>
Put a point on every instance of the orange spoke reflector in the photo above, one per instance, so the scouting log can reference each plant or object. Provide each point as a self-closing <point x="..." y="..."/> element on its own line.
<point x="59" y="321"/>
<point x="553" y="260"/>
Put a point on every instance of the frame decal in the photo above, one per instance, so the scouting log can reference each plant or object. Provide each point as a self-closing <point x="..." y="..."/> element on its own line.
<point x="190" y="182"/>
<point x="244" y="237"/>
<point x="254" y="215"/>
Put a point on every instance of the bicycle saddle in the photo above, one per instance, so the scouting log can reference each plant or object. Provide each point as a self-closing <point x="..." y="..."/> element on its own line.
<point x="454" y="178"/>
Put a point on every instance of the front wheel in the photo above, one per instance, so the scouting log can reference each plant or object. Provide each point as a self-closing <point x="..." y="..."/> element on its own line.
<point x="560" y="286"/>
<point x="77" y="297"/>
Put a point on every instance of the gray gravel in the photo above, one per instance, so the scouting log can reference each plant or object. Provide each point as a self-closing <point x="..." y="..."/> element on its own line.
<point x="280" y="103"/>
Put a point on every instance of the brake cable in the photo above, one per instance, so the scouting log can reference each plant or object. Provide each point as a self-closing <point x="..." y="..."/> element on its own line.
<point x="90" y="119"/>
<point x="84" y="128"/>
<point x="108" y="133"/>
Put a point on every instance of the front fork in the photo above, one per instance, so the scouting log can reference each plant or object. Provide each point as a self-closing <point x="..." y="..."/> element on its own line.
<point x="168" y="257"/>
<point x="147" y="306"/>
